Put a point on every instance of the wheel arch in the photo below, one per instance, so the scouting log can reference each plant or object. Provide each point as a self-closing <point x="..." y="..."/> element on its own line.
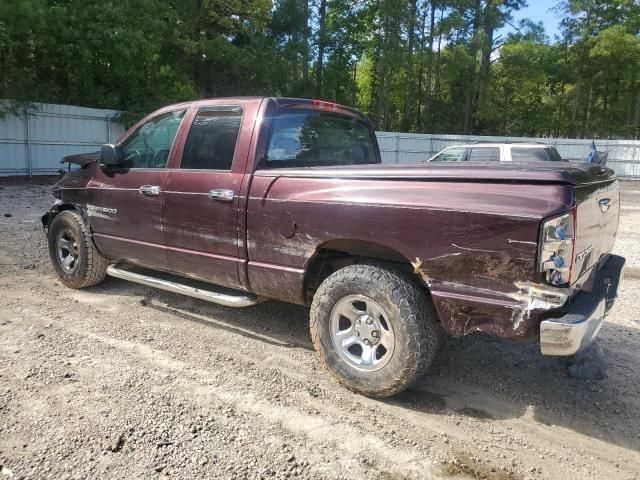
<point x="338" y="253"/>
<point x="48" y="217"/>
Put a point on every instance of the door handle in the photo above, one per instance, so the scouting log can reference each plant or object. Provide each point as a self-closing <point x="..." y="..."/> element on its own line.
<point x="149" y="190"/>
<point x="222" y="195"/>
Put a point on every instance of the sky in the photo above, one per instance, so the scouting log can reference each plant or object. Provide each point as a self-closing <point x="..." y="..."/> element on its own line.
<point x="538" y="11"/>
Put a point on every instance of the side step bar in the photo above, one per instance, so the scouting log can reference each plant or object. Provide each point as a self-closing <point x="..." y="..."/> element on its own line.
<point x="228" y="300"/>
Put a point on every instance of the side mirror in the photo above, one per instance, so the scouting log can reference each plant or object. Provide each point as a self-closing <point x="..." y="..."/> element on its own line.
<point x="111" y="155"/>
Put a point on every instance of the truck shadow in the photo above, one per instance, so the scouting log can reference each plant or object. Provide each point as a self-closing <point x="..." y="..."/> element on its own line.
<point x="266" y="335"/>
<point x="478" y="376"/>
<point x="491" y="380"/>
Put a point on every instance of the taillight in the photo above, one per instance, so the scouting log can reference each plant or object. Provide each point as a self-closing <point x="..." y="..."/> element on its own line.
<point x="556" y="248"/>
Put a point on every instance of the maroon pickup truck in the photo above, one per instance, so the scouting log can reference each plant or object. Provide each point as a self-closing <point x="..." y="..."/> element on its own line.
<point x="238" y="200"/>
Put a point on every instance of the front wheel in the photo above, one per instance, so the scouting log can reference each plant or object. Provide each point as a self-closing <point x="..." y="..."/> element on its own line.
<point x="73" y="254"/>
<point x="375" y="330"/>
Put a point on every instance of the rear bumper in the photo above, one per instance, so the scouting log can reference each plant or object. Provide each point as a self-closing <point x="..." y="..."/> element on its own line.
<point x="584" y="313"/>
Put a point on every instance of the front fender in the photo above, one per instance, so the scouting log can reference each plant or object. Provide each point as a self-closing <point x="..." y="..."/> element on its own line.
<point x="57" y="207"/>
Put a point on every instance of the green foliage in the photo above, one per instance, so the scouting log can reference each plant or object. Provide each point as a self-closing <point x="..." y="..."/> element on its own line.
<point x="417" y="65"/>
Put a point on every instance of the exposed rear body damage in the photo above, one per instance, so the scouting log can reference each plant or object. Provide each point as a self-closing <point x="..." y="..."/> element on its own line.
<point x="471" y="243"/>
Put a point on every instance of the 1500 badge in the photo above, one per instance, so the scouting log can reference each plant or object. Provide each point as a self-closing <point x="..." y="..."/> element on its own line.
<point x="94" y="209"/>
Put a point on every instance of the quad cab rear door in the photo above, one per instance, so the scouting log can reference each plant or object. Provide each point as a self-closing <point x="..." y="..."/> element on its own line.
<point x="204" y="213"/>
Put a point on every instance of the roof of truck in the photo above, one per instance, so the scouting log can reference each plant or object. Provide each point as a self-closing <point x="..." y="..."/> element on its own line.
<point x="249" y="98"/>
<point x="280" y="101"/>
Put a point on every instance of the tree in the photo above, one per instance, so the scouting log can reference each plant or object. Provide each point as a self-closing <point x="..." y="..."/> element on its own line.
<point x="412" y="65"/>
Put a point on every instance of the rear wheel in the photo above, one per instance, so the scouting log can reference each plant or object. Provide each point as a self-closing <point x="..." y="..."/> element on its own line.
<point x="73" y="254"/>
<point x="375" y="330"/>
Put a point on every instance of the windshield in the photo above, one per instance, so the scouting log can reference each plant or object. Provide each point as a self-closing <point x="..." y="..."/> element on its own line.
<point x="312" y="138"/>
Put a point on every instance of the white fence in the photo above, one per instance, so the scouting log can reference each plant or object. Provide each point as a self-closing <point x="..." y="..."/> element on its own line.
<point x="34" y="142"/>
<point x="623" y="158"/>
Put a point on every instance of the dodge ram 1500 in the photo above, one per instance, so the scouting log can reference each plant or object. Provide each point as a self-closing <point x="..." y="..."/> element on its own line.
<point x="238" y="200"/>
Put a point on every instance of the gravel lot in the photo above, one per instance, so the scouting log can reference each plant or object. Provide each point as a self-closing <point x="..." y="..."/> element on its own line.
<point x="123" y="381"/>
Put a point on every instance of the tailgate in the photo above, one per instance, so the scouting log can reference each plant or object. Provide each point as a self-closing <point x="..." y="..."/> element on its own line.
<point x="597" y="212"/>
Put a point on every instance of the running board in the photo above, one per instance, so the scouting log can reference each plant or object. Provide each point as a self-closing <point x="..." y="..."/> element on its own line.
<point x="228" y="300"/>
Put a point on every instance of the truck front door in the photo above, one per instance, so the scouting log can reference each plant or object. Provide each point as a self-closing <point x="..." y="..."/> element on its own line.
<point x="125" y="205"/>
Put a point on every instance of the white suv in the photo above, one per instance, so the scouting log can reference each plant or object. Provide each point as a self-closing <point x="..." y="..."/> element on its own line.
<point x="494" y="152"/>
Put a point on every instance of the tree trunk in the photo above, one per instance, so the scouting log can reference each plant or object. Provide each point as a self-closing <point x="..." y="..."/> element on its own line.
<point x="304" y="27"/>
<point x="355" y="84"/>
<point x="407" y="121"/>
<point x="471" y="87"/>
<point x="376" y="80"/>
<point x="321" y="47"/>
<point x="585" y="128"/>
<point x="614" y="102"/>
<point x="490" y="21"/>
<point x="636" y="119"/>
<point x="556" y="133"/>
<point x="436" y="86"/>
<point x="387" y="117"/>
<point x="432" y="21"/>
<point x="418" y="111"/>
<point x="583" y="60"/>
<point x="576" y="104"/>
<point x="374" y="106"/>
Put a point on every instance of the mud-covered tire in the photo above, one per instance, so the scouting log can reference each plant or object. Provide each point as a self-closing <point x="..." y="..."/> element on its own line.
<point x="89" y="267"/>
<point x="409" y="311"/>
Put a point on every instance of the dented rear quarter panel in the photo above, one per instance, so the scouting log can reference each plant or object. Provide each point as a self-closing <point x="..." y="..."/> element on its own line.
<point x="473" y="243"/>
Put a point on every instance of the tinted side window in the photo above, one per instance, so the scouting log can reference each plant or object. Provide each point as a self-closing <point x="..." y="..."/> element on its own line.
<point x="150" y="145"/>
<point x="311" y="138"/>
<point x="484" y="154"/>
<point x="524" y="154"/>
<point x="211" y="142"/>
<point x="457" y="154"/>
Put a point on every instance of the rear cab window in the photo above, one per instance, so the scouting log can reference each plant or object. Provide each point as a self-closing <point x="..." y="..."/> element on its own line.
<point x="529" y="154"/>
<point x="554" y="156"/>
<point x="454" y="154"/>
<point x="301" y="137"/>
<point x="484" y="154"/>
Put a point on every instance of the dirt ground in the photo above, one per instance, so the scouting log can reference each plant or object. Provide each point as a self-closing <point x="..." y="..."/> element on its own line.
<point x="124" y="381"/>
